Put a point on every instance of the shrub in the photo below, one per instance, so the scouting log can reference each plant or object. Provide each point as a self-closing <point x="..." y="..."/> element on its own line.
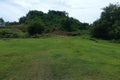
<point x="100" y="29"/>
<point x="36" y="28"/>
<point x="70" y="24"/>
<point x="9" y="33"/>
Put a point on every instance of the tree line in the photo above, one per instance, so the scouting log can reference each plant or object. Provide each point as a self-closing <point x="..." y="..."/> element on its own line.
<point x="107" y="27"/>
<point x="51" y="21"/>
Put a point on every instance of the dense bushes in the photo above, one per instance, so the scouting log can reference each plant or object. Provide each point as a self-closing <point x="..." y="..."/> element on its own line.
<point x="36" y="28"/>
<point x="70" y="24"/>
<point x="53" y="20"/>
<point x="108" y="26"/>
<point x="100" y="29"/>
<point x="10" y="33"/>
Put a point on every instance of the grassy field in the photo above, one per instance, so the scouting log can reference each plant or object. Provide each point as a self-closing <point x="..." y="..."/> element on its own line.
<point x="59" y="58"/>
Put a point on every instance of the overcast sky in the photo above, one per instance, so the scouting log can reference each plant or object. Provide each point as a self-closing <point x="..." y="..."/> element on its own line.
<point x="84" y="10"/>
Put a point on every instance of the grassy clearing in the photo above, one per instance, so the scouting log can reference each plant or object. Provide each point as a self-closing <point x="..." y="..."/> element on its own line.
<point x="59" y="58"/>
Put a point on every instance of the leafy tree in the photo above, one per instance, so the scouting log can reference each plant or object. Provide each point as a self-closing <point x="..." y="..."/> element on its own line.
<point x="100" y="29"/>
<point x="84" y="26"/>
<point x="1" y="20"/>
<point x="2" y="23"/>
<point x="108" y="26"/>
<point x="57" y="13"/>
<point x="53" y="20"/>
<point x="36" y="28"/>
<point x="34" y="13"/>
<point x="70" y="24"/>
<point x="22" y="19"/>
<point x="115" y="30"/>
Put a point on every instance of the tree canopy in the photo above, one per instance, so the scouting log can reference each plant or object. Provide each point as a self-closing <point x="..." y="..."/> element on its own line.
<point x="2" y="23"/>
<point x="108" y="26"/>
<point x="1" y="20"/>
<point x="53" y="20"/>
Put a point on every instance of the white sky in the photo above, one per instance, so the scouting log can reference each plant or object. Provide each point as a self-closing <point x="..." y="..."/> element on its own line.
<point x="84" y="10"/>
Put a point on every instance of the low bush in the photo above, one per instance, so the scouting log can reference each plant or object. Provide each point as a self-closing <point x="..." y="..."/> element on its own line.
<point x="10" y="33"/>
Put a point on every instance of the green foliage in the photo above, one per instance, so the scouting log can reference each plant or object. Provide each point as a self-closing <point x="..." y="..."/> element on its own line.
<point x="57" y="13"/>
<point x="53" y="20"/>
<point x="108" y="26"/>
<point x="36" y="28"/>
<point x="70" y="24"/>
<point x="2" y="23"/>
<point x="11" y="33"/>
<point x="22" y="20"/>
<point x="1" y="20"/>
<point x="12" y="23"/>
<point x="84" y="26"/>
<point x="35" y="13"/>
<point x="115" y="30"/>
<point x="100" y="29"/>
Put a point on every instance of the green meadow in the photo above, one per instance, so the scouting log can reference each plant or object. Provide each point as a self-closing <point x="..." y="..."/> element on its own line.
<point x="59" y="58"/>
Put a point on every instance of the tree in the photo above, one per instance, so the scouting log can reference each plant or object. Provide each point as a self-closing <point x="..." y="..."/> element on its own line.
<point x="84" y="26"/>
<point x="34" y="13"/>
<point x="70" y="24"/>
<point x="53" y="20"/>
<point x="1" y="20"/>
<point x="115" y="30"/>
<point x="36" y="28"/>
<point x="2" y="23"/>
<point x="108" y="26"/>
<point x="22" y="19"/>
<point x="100" y="29"/>
<point x="57" y="13"/>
